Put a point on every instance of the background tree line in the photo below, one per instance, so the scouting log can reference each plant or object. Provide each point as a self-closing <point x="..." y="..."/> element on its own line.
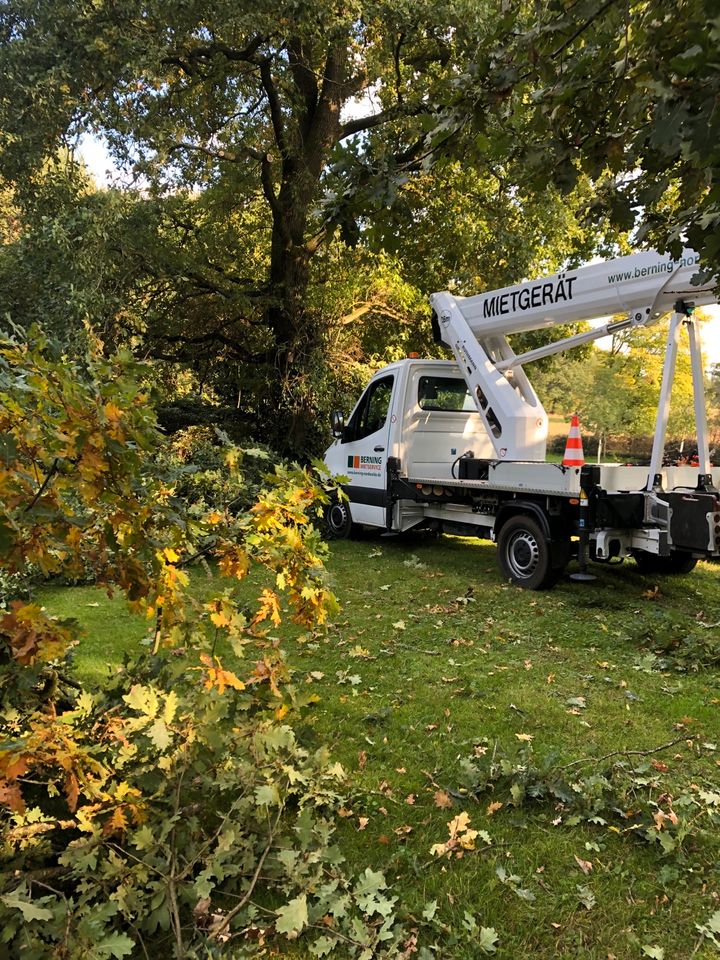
<point x="303" y="179"/>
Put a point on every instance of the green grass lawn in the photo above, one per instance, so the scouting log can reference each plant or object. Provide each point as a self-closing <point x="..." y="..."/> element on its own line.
<point x="435" y="659"/>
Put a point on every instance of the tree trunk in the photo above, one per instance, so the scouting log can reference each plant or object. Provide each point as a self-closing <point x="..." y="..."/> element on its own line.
<point x="292" y="329"/>
<point x="303" y="158"/>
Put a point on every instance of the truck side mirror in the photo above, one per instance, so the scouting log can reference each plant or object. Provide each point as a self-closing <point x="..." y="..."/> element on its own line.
<point x="337" y="423"/>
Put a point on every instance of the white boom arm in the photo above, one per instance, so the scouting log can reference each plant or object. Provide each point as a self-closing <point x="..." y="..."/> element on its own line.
<point x="644" y="286"/>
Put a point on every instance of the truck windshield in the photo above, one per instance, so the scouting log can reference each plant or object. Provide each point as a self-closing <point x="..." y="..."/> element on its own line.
<point x="444" y="393"/>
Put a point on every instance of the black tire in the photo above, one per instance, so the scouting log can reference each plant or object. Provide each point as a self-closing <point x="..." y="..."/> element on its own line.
<point x="526" y="557"/>
<point x="338" y="521"/>
<point x="679" y="562"/>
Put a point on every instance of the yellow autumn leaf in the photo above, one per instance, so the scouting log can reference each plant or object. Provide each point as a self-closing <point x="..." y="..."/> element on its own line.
<point x="232" y="457"/>
<point x="269" y="607"/>
<point x="113" y="412"/>
<point x="117" y="823"/>
<point x="171" y="703"/>
<point x="220" y="618"/>
<point x="219" y="678"/>
<point x="234" y="562"/>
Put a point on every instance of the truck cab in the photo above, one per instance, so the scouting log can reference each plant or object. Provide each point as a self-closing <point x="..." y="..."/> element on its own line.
<point x="415" y="412"/>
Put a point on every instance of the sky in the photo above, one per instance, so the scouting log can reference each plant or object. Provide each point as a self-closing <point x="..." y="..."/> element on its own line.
<point x="711" y="336"/>
<point x="94" y="153"/>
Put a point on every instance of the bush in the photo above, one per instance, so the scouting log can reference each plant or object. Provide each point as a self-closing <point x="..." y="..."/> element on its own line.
<point x="197" y="456"/>
<point x="176" y="812"/>
<point x="14" y="586"/>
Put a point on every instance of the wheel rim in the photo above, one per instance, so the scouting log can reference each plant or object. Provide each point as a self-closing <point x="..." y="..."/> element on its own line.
<point x="523" y="555"/>
<point x="337" y="517"/>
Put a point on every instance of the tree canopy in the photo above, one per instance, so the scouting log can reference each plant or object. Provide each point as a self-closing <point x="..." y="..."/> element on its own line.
<point x="304" y="176"/>
<point x="628" y="92"/>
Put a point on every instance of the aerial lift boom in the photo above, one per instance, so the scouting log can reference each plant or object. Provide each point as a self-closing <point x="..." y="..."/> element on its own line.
<point x="643" y="286"/>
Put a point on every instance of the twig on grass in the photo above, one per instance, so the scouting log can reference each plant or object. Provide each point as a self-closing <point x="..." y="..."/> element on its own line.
<point x="627" y="753"/>
<point x="409" y="646"/>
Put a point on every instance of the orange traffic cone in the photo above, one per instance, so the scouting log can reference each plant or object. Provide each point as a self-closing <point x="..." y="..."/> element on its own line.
<point x="574" y="456"/>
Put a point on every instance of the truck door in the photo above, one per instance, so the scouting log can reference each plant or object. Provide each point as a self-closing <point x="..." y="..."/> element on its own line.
<point x="364" y="447"/>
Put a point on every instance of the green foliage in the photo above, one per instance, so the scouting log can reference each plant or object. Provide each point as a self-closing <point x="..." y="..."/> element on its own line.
<point x="680" y="644"/>
<point x="628" y="799"/>
<point x="616" y="391"/>
<point x="190" y="796"/>
<point x="711" y="929"/>
<point x="631" y="91"/>
<point x="455" y="227"/>
<point x="65" y="261"/>
<point x="499" y="663"/>
<point x="197" y="456"/>
<point x="309" y="133"/>
<point x="177" y="804"/>
<point x="14" y="586"/>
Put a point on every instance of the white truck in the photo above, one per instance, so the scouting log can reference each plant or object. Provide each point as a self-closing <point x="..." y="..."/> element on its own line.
<point x="461" y="446"/>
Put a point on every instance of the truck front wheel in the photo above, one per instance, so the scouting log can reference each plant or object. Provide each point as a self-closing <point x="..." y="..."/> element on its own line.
<point x="338" y="521"/>
<point x="526" y="556"/>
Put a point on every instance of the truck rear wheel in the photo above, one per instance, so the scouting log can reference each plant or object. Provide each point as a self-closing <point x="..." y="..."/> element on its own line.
<point x="679" y="562"/>
<point x="526" y="557"/>
<point x="338" y="521"/>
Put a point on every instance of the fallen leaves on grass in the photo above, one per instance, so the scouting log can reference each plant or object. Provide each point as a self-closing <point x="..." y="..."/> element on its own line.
<point x="461" y="838"/>
<point x="585" y="865"/>
<point x="513" y="881"/>
<point x="359" y="652"/>
<point x="586" y="896"/>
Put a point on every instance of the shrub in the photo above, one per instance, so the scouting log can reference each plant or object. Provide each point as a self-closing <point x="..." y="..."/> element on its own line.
<point x="177" y="810"/>
<point x="197" y="455"/>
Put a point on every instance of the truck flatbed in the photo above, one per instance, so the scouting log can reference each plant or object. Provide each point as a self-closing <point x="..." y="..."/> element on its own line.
<point x="555" y="480"/>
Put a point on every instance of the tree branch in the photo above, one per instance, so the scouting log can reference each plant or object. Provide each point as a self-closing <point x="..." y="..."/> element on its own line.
<point x="315" y="242"/>
<point x="398" y="78"/>
<point x="303" y="77"/>
<point x="270" y="195"/>
<point x="228" y="156"/>
<point x="50" y="474"/>
<point x="221" y="154"/>
<point x="229" y="917"/>
<point x="179" y="62"/>
<point x="583" y="27"/>
<point x="207" y="52"/>
<point x="276" y="116"/>
<point x="376" y="119"/>
<point x="627" y="753"/>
